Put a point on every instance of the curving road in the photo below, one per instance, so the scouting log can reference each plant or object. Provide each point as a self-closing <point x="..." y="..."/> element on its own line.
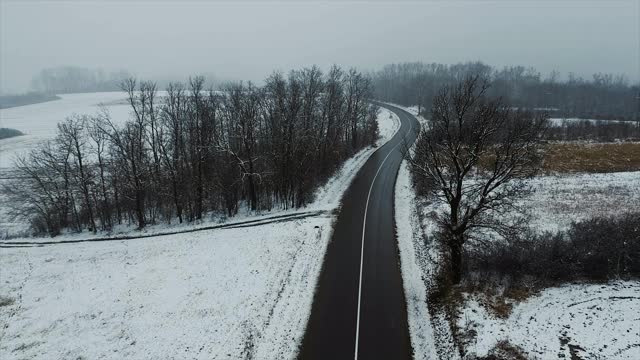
<point x="359" y="309"/>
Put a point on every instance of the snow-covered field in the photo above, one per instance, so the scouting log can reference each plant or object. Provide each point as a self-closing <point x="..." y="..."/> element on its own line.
<point x="39" y="121"/>
<point x="590" y="321"/>
<point x="223" y="293"/>
<point x="558" y="200"/>
<point x="211" y="294"/>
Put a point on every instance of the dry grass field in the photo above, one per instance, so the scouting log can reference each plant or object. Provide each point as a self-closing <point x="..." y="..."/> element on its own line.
<point x="591" y="158"/>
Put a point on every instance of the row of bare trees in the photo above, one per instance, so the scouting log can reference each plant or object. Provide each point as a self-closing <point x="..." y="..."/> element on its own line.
<point x="193" y="152"/>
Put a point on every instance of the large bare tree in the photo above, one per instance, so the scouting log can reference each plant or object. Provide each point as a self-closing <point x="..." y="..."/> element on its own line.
<point x="473" y="156"/>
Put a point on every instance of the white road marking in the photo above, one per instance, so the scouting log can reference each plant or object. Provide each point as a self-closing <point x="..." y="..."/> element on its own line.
<point x="364" y="226"/>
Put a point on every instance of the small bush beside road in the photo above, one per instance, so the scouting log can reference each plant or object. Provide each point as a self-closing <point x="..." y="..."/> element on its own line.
<point x="597" y="249"/>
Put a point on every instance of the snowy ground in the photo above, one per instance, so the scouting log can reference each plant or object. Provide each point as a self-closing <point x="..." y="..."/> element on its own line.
<point x="388" y="124"/>
<point x="211" y="294"/>
<point x="222" y="294"/>
<point x="590" y="321"/>
<point x="39" y="121"/>
<point x="558" y="200"/>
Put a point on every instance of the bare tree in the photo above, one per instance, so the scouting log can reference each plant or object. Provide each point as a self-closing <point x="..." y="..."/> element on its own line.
<point x="72" y="135"/>
<point x="98" y="149"/>
<point x="129" y="147"/>
<point x="472" y="157"/>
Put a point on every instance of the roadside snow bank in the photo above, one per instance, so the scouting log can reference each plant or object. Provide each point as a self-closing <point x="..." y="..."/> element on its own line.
<point x="388" y="125"/>
<point x="592" y="321"/>
<point x="415" y="269"/>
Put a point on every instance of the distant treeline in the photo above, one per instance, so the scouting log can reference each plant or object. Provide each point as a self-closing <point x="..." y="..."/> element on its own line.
<point x="8" y="101"/>
<point x="73" y="79"/>
<point x="605" y="96"/>
<point x="600" y="131"/>
<point x="197" y="152"/>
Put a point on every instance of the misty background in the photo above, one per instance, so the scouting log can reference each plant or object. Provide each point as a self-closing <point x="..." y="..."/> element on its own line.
<point x="165" y="40"/>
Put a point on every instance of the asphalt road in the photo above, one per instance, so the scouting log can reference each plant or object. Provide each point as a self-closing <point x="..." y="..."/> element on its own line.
<point x="359" y="309"/>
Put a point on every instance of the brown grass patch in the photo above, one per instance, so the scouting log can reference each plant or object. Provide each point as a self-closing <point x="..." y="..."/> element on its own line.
<point x="591" y="157"/>
<point x="497" y="297"/>
<point x="505" y="351"/>
<point x="500" y="303"/>
<point x="498" y="306"/>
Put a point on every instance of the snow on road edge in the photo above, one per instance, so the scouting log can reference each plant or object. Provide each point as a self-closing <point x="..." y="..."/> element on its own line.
<point x="420" y="329"/>
<point x="387" y="129"/>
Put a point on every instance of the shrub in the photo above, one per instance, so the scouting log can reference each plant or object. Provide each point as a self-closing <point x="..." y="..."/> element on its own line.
<point x="596" y="249"/>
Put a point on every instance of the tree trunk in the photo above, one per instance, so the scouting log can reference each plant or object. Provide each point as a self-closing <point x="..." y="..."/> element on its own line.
<point x="176" y="201"/>
<point x="140" y="209"/>
<point x="455" y="247"/>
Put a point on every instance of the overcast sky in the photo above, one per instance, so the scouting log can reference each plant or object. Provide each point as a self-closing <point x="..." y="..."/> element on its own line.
<point x="247" y="40"/>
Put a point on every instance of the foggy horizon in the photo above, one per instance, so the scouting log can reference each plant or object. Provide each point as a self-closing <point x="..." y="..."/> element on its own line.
<point x="171" y="40"/>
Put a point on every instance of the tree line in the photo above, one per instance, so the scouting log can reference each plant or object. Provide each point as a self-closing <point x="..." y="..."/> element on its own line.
<point x="194" y="152"/>
<point x="604" y="96"/>
<point x="73" y="79"/>
<point x="600" y="130"/>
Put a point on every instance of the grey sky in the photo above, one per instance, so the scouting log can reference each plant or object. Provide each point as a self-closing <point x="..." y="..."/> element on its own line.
<point x="247" y="40"/>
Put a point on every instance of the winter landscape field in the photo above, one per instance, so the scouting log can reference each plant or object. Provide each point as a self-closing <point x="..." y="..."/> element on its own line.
<point x="591" y="321"/>
<point x="320" y="180"/>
